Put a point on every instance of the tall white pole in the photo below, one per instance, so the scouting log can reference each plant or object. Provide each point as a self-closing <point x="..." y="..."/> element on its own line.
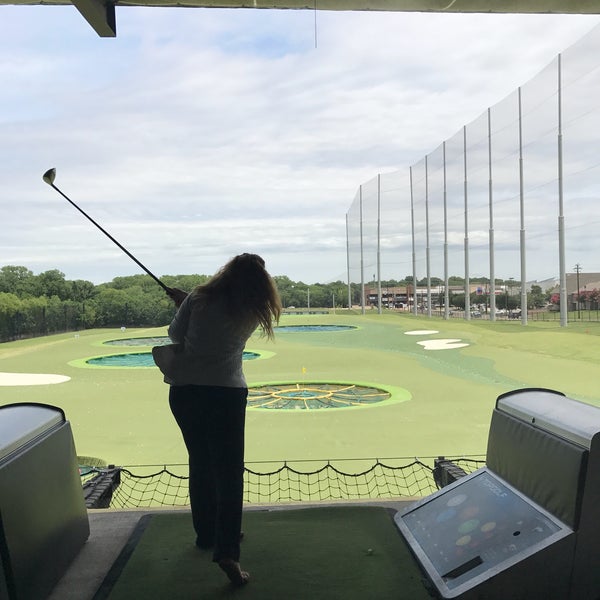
<point x="561" y="216"/>
<point x="446" y="275"/>
<point x="427" y="250"/>
<point x="362" y="256"/>
<point x="522" y="211"/>
<point x="414" y="255"/>
<point x="466" y="243"/>
<point x="492" y="288"/>
<point x="379" y="244"/>
<point x="348" y="263"/>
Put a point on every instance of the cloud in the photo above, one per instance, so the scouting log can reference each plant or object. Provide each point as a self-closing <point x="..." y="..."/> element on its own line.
<point x="196" y="133"/>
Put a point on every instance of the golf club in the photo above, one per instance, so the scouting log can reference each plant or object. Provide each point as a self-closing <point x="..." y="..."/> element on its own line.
<point x="49" y="176"/>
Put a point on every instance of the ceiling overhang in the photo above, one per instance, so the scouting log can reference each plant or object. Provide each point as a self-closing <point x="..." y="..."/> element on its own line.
<point x="100" y="14"/>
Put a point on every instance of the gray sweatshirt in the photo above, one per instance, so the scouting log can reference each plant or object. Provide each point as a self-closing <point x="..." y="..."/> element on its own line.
<point x="213" y="345"/>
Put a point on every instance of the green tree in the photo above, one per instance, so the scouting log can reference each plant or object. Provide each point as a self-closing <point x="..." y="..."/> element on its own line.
<point x="284" y="287"/>
<point x="456" y="280"/>
<point x="17" y="280"/>
<point x="82" y="290"/>
<point x="339" y="293"/>
<point x="536" y="298"/>
<point x="184" y="282"/>
<point x="111" y="307"/>
<point x="10" y="305"/>
<point x="298" y="295"/>
<point x="458" y="301"/>
<point x="320" y="295"/>
<point x="54" y="315"/>
<point x="52" y="283"/>
<point x="434" y="282"/>
<point x="33" y="315"/>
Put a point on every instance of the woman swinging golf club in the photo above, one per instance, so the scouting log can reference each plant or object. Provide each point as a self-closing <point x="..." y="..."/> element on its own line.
<point x="208" y="394"/>
<point x="208" y="390"/>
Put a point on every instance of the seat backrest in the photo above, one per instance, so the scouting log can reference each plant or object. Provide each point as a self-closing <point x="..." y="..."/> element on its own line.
<point x="546" y="468"/>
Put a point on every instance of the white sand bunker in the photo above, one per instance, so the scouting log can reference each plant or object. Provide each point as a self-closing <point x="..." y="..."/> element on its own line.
<point x="442" y="344"/>
<point x="421" y="332"/>
<point x="7" y="379"/>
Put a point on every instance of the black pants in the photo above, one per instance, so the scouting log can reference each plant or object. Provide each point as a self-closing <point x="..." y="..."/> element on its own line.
<point x="212" y="422"/>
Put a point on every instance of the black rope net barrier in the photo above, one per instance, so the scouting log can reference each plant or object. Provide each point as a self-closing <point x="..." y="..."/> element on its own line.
<point x="120" y="487"/>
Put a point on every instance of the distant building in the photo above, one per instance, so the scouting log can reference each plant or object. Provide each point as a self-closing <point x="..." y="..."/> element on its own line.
<point x="403" y="296"/>
<point x="391" y="297"/>
<point x="544" y="284"/>
<point x="588" y="283"/>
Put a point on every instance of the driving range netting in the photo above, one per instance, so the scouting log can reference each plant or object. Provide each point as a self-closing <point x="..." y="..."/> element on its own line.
<point x="288" y="484"/>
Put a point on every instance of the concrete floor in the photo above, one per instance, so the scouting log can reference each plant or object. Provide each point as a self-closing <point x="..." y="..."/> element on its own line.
<point x="109" y="532"/>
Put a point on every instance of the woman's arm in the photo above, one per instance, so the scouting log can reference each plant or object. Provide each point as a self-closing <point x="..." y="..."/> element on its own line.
<point x="179" y="324"/>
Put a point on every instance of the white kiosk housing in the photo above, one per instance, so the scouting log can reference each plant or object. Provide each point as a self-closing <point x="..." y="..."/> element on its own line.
<point x="43" y="518"/>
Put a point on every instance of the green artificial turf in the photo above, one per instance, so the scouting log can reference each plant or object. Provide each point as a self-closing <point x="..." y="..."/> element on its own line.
<point x="441" y="403"/>
<point x="318" y="553"/>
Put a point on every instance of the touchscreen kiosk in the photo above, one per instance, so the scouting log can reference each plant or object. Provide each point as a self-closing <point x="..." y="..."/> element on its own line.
<point x="526" y="525"/>
<point x="476" y="528"/>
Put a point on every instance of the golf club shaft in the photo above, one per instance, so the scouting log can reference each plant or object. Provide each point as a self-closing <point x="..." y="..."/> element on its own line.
<point x="110" y="237"/>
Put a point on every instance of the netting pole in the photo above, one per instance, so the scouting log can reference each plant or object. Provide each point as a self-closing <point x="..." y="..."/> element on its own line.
<point x="446" y="286"/>
<point x="348" y="264"/>
<point x="561" y="216"/>
<point x="466" y="242"/>
<point x="522" y="211"/>
<point x="414" y="256"/>
<point x="492" y="286"/>
<point x="362" y="257"/>
<point x="379" y="244"/>
<point x="427" y="249"/>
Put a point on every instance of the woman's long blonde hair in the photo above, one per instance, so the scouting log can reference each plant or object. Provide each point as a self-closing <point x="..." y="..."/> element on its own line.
<point x="247" y="291"/>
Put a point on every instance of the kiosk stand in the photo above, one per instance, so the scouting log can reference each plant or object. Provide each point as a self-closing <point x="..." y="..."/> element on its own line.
<point x="526" y="526"/>
<point x="43" y="518"/>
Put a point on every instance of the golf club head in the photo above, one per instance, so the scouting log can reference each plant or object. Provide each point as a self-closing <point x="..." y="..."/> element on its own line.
<point x="49" y="176"/>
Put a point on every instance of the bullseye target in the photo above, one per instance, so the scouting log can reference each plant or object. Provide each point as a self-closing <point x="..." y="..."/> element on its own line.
<point x="313" y="396"/>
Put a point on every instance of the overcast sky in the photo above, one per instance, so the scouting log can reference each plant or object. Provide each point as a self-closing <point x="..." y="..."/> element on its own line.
<point x="197" y="134"/>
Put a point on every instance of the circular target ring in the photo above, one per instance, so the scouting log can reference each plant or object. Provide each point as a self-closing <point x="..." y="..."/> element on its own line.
<point x="314" y="396"/>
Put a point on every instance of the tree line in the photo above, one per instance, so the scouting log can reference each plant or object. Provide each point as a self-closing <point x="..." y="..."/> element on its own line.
<point x="34" y="305"/>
